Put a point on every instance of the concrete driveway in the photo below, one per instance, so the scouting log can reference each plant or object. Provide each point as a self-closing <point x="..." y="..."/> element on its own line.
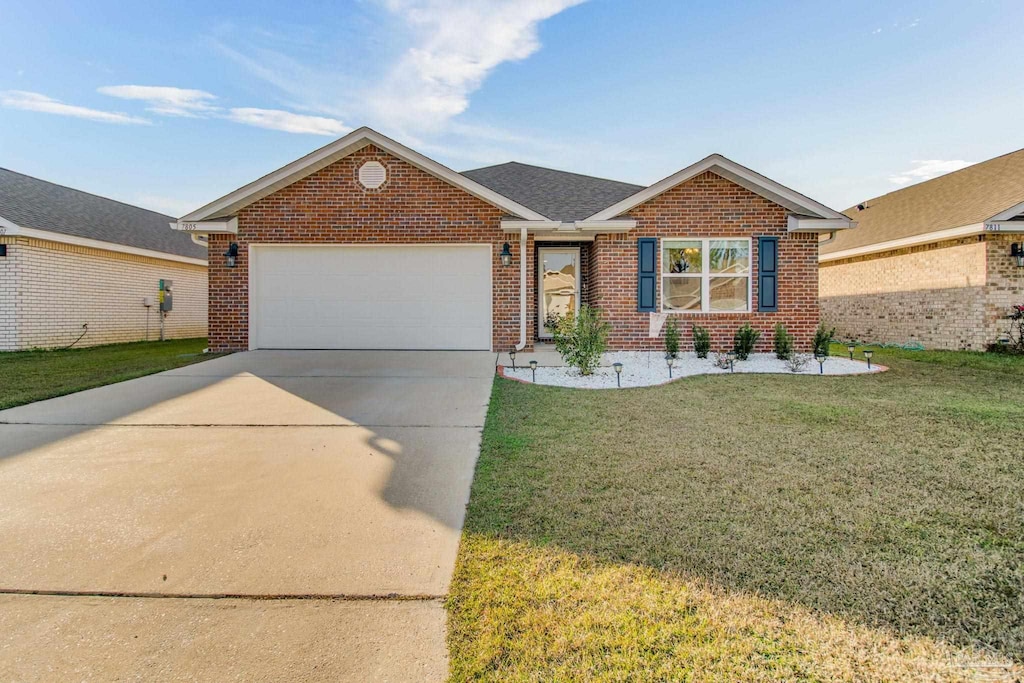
<point x="266" y="515"/>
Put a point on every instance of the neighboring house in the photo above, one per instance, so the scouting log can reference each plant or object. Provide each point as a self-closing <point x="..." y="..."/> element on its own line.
<point x="367" y="244"/>
<point x="931" y="263"/>
<point x="76" y="265"/>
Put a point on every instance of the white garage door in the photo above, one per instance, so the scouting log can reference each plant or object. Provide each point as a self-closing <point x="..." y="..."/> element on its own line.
<point x="373" y="297"/>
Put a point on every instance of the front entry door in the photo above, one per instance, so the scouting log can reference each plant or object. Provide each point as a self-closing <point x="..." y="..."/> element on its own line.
<point x="558" y="287"/>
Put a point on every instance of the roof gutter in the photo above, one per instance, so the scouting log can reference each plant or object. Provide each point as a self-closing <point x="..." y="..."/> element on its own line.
<point x="8" y="229"/>
<point x="522" y="290"/>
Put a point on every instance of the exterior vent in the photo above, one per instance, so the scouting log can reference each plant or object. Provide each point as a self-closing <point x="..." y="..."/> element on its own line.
<point x="372" y="175"/>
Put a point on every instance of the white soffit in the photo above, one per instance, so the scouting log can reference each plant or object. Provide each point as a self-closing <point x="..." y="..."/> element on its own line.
<point x="730" y="170"/>
<point x="311" y="163"/>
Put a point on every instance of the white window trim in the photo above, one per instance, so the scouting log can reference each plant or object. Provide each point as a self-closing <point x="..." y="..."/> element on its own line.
<point x="705" y="274"/>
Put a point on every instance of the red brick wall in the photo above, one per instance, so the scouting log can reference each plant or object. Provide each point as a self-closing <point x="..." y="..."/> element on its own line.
<point x="707" y="206"/>
<point x="331" y="207"/>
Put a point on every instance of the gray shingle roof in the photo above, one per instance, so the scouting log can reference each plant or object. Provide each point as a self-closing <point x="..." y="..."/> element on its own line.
<point x="559" y="195"/>
<point x="33" y="203"/>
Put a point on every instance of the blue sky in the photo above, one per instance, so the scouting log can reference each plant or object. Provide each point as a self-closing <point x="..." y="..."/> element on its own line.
<point x="171" y="105"/>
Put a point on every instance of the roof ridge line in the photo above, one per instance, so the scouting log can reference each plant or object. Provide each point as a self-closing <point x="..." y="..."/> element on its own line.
<point x="86" y="192"/>
<point x="556" y="170"/>
<point x="938" y="177"/>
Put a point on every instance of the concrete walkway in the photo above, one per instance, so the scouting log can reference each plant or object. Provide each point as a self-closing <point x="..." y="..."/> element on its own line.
<point x="267" y="515"/>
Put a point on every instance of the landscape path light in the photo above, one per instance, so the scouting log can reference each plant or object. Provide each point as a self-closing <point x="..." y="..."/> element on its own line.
<point x="618" y="373"/>
<point x="533" y="369"/>
<point x="731" y="357"/>
<point x="669" y="361"/>
<point x="512" y="355"/>
<point x="867" y="354"/>
<point x="821" y="358"/>
<point x="851" y="348"/>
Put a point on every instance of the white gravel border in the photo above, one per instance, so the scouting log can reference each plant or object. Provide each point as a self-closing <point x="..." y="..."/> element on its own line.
<point x="648" y="368"/>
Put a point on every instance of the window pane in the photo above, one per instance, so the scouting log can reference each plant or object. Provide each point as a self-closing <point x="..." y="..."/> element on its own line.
<point x="681" y="293"/>
<point x="682" y="256"/>
<point x="730" y="256"/>
<point x="729" y="293"/>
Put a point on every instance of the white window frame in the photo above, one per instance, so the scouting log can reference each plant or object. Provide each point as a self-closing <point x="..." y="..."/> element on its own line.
<point x="705" y="274"/>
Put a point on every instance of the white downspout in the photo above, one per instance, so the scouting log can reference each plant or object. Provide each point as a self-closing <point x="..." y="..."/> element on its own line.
<point x="522" y="290"/>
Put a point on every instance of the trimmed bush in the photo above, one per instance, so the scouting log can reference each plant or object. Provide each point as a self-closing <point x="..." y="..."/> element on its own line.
<point x="672" y="338"/>
<point x="783" y="342"/>
<point x="701" y="341"/>
<point x="822" y="338"/>
<point x="581" y="339"/>
<point x="744" y="341"/>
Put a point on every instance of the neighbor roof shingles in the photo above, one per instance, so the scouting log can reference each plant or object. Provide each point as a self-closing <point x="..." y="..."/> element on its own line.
<point x="559" y="195"/>
<point x="965" y="197"/>
<point x="33" y="203"/>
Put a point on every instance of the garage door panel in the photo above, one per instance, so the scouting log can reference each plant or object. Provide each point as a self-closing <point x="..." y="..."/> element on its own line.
<point x="387" y="297"/>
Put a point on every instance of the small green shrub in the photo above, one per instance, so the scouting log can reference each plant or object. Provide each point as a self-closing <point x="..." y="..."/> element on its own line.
<point x="581" y="339"/>
<point x="783" y="342"/>
<point x="672" y="338"/>
<point x="744" y="341"/>
<point x="701" y="341"/>
<point x="822" y="338"/>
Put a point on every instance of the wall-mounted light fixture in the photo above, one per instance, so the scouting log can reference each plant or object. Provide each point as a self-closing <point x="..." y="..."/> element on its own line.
<point x="1017" y="252"/>
<point x="506" y="255"/>
<point x="231" y="255"/>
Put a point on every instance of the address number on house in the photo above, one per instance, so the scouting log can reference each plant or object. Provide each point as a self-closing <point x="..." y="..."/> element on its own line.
<point x="206" y="227"/>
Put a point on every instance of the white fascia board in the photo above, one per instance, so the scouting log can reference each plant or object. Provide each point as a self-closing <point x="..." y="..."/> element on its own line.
<point x="61" y="238"/>
<point x="620" y="225"/>
<point x="229" y="226"/>
<point x="804" y="224"/>
<point x="515" y="225"/>
<point x="1012" y="212"/>
<point x="7" y="227"/>
<point x="1004" y="226"/>
<point x="568" y="228"/>
<point x="902" y="243"/>
<point x="741" y="175"/>
<point x="340" y="148"/>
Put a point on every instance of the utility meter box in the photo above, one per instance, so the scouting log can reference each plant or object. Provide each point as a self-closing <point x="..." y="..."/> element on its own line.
<point x="166" y="295"/>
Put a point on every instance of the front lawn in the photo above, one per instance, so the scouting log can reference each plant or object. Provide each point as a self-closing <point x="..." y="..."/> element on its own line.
<point x="27" y="376"/>
<point x="750" y="528"/>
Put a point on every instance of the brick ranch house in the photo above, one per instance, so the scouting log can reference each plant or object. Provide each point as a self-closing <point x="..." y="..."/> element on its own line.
<point x="935" y="263"/>
<point x="367" y="244"/>
<point x="75" y="266"/>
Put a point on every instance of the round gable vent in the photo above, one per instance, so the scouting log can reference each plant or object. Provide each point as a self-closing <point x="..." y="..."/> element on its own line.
<point x="372" y="175"/>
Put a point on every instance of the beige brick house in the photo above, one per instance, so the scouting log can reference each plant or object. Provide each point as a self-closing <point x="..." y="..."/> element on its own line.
<point x="934" y="263"/>
<point x="367" y="244"/>
<point x="74" y="266"/>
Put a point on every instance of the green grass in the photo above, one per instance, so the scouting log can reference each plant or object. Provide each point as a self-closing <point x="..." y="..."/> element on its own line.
<point x="27" y="376"/>
<point x="747" y="527"/>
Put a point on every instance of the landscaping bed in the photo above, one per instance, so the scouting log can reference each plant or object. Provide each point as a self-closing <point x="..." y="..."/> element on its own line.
<point x="648" y="368"/>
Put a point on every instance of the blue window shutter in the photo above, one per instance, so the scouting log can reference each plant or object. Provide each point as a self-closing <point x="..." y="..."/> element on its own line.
<point x="768" y="274"/>
<point x="647" y="274"/>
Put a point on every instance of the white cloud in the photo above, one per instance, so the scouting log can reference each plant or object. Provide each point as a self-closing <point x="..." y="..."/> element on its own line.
<point x="33" y="101"/>
<point x="165" y="100"/>
<point x="277" y="119"/>
<point x="927" y="169"/>
<point x="456" y="45"/>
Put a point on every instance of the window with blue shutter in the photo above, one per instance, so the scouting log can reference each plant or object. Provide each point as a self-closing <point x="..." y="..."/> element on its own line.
<point x="768" y="274"/>
<point x="647" y="274"/>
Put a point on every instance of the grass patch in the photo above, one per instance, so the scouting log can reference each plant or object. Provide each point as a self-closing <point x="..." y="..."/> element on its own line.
<point x="750" y="527"/>
<point x="27" y="376"/>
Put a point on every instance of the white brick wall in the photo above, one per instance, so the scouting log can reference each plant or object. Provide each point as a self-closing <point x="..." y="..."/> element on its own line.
<point x="49" y="290"/>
